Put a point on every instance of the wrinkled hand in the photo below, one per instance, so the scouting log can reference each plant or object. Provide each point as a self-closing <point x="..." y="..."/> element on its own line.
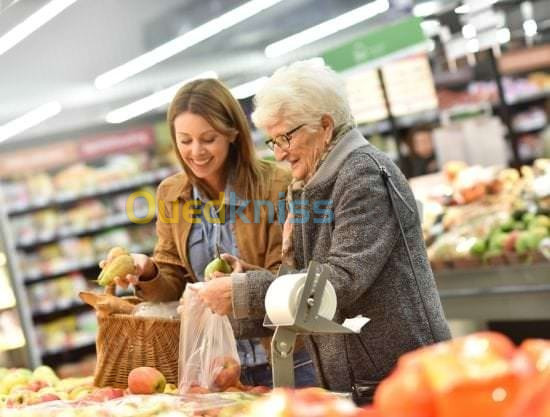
<point x="217" y="295"/>
<point x="144" y="267"/>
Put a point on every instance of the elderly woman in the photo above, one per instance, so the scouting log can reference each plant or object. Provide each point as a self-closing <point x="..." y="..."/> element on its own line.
<point x="304" y="110"/>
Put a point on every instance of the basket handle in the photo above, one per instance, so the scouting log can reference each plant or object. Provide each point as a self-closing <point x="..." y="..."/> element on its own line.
<point x="110" y="289"/>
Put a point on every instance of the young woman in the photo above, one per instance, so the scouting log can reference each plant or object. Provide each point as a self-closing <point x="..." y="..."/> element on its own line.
<point x="225" y="199"/>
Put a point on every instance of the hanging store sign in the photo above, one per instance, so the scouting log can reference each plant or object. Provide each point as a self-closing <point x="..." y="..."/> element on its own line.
<point x="38" y="159"/>
<point x="133" y="140"/>
<point x="395" y="40"/>
<point x="48" y="157"/>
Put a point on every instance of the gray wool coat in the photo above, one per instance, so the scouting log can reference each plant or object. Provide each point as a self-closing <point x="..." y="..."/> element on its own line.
<point x="368" y="267"/>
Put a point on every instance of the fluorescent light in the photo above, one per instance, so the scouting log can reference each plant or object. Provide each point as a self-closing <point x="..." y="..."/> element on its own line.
<point x="248" y="89"/>
<point x="530" y="28"/>
<point x="151" y="102"/>
<point x="426" y="9"/>
<point x="469" y="31"/>
<point x="32" y="23"/>
<point x="472" y="8"/>
<point x="326" y="28"/>
<point x="503" y="35"/>
<point x="462" y="9"/>
<point x="183" y="42"/>
<point x="317" y="61"/>
<point x="29" y="120"/>
<point x="430" y="27"/>
<point x="472" y="46"/>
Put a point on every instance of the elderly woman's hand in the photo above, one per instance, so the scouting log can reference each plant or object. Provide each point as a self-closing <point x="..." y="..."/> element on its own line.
<point x="217" y="294"/>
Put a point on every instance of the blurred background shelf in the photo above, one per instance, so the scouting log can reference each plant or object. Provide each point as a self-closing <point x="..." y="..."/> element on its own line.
<point x="147" y="178"/>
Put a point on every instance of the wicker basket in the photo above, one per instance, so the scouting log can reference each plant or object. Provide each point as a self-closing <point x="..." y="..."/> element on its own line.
<point x="125" y="342"/>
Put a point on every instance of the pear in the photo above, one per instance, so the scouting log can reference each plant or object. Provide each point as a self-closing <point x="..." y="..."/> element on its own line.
<point x="216" y="265"/>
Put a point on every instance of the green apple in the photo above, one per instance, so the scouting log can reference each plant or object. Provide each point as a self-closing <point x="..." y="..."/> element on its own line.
<point x="46" y="374"/>
<point x="216" y="265"/>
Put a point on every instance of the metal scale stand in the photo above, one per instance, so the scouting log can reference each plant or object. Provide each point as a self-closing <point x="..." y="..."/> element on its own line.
<point x="307" y="321"/>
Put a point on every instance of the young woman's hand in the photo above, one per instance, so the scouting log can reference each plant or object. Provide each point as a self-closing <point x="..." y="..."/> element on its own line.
<point x="145" y="269"/>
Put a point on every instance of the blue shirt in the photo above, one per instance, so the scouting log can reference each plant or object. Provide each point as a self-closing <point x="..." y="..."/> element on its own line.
<point x="202" y="241"/>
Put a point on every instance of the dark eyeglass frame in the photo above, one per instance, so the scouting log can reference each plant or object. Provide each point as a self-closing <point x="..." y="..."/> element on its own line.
<point x="283" y="139"/>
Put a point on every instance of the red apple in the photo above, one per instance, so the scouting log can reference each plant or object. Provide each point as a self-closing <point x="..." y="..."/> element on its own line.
<point x="104" y="394"/>
<point x="510" y="241"/>
<point x="368" y="411"/>
<point x="260" y="389"/>
<point x="405" y="393"/>
<point x="36" y="385"/>
<point x="48" y="397"/>
<point x="538" y="352"/>
<point x="534" y="398"/>
<point x="233" y="389"/>
<point x="226" y="371"/>
<point x="197" y="389"/>
<point x="146" y="380"/>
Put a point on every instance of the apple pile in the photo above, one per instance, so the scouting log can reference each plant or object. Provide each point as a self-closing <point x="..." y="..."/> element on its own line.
<point x="482" y="374"/>
<point x="305" y="402"/>
<point x="21" y="387"/>
<point x="521" y="234"/>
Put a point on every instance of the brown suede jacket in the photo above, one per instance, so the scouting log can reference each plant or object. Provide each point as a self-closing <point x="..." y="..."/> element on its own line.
<point x="259" y="243"/>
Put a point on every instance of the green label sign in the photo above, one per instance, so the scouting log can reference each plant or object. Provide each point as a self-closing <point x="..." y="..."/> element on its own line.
<point x="376" y="44"/>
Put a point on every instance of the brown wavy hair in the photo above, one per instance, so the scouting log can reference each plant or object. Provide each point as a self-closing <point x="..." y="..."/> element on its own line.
<point x="212" y="100"/>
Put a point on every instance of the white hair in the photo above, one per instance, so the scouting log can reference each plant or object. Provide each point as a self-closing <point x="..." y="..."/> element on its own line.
<point x="302" y="93"/>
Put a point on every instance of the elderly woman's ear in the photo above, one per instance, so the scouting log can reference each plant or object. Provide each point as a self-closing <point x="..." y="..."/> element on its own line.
<point x="327" y="126"/>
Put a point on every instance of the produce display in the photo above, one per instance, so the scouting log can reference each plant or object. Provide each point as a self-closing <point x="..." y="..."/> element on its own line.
<point x="477" y="216"/>
<point x="483" y="374"/>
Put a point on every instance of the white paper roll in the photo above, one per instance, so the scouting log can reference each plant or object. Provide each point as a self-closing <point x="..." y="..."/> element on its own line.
<point x="283" y="296"/>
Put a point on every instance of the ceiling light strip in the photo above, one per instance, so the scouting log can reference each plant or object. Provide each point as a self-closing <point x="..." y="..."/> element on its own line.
<point x="32" y="23"/>
<point x="249" y="88"/>
<point x="151" y="102"/>
<point x="185" y="41"/>
<point x="326" y="28"/>
<point x="30" y="119"/>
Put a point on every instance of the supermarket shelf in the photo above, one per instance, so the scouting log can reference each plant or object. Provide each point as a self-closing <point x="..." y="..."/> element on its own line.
<point x="429" y="116"/>
<point x="373" y="128"/>
<point x="54" y="357"/>
<point x="402" y="122"/>
<point x="529" y="97"/>
<point x="513" y="292"/>
<point x="75" y="307"/>
<point x="120" y="219"/>
<point x="530" y="129"/>
<point x="88" y="265"/>
<point x="63" y="199"/>
<point x="74" y="266"/>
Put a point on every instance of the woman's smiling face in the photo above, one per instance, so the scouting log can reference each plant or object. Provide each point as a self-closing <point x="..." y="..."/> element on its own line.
<point x="202" y="148"/>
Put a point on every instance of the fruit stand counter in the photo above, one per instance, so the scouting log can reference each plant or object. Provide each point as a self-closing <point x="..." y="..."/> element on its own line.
<point x="514" y="292"/>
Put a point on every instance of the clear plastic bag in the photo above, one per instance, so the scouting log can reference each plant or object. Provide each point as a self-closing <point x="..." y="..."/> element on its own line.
<point x="160" y="310"/>
<point x="208" y="358"/>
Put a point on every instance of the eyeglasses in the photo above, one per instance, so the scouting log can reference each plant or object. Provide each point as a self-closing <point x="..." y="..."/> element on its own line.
<point x="283" y="141"/>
